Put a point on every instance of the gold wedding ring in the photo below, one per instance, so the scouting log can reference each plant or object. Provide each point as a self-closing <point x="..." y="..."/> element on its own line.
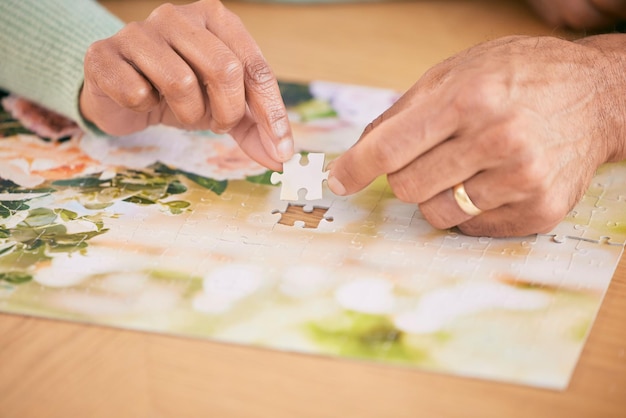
<point x="464" y="201"/>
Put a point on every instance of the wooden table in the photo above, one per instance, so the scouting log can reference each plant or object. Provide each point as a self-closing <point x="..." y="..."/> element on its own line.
<point x="59" y="369"/>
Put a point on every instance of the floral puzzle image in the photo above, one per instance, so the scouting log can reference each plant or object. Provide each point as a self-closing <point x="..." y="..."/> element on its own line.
<point x="181" y="233"/>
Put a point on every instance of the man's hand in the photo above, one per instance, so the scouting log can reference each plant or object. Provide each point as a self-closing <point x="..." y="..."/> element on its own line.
<point x="194" y="67"/>
<point x="522" y="122"/>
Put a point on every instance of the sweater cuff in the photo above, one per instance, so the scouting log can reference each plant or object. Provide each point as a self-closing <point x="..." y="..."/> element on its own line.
<point x="45" y="43"/>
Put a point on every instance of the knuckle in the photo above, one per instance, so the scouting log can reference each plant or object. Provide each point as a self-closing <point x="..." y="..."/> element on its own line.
<point x="100" y="54"/>
<point x="95" y="50"/>
<point x="93" y="57"/>
<point x="180" y="87"/>
<point x="259" y="74"/>
<point x="129" y="31"/>
<point x="162" y="13"/>
<point x="506" y="141"/>
<point x="276" y="113"/>
<point x="533" y="175"/>
<point x="126" y="39"/>
<point x="486" y="92"/>
<point x="227" y="72"/>
<point x="223" y="14"/>
<point x="137" y="99"/>
<point x="233" y="73"/>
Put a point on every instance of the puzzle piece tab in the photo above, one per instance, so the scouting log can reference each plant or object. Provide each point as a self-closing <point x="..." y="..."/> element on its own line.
<point x="296" y="176"/>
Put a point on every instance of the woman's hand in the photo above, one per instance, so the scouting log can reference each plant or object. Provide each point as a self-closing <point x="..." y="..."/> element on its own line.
<point x="522" y="122"/>
<point x="194" y="67"/>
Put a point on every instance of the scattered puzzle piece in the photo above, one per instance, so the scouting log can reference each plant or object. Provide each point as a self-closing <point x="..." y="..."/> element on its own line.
<point x="297" y="176"/>
<point x="300" y="215"/>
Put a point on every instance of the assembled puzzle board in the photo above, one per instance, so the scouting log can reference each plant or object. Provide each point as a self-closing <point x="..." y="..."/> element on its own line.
<point x="180" y="233"/>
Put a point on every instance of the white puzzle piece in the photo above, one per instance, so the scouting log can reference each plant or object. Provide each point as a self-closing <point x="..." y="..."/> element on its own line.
<point x="296" y="176"/>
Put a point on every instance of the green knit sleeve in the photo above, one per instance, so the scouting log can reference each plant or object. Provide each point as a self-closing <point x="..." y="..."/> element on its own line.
<point x="42" y="46"/>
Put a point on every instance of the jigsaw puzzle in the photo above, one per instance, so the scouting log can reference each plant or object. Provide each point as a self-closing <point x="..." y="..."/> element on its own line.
<point x="180" y="233"/>
<point x="301" y="172"/>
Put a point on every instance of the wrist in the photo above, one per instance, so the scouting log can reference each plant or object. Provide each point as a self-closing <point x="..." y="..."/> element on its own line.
<point x="610" y="83"/>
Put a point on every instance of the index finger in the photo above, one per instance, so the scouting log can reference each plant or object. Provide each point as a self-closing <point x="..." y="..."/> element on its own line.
<point x="400" y="135"/>
<point x="262" y="92"/>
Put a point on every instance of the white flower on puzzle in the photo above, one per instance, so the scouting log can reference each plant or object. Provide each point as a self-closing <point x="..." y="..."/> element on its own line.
<point x="368" y="295"/>
<point x="227" y="285"/>
<point x="436" y="309"/>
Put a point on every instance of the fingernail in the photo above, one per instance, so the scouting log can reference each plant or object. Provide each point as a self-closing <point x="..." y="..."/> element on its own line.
<point x="335" y="186"/>
<point x="284" y="149"/>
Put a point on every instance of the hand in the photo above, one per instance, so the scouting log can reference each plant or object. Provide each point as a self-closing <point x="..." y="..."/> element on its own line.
<point x="581" y="14"/>
<point x="194" y="67"/>
<point x="522" y="122"/>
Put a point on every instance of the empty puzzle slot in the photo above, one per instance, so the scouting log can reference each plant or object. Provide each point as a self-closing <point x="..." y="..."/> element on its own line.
<point x="305" y="216"/>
